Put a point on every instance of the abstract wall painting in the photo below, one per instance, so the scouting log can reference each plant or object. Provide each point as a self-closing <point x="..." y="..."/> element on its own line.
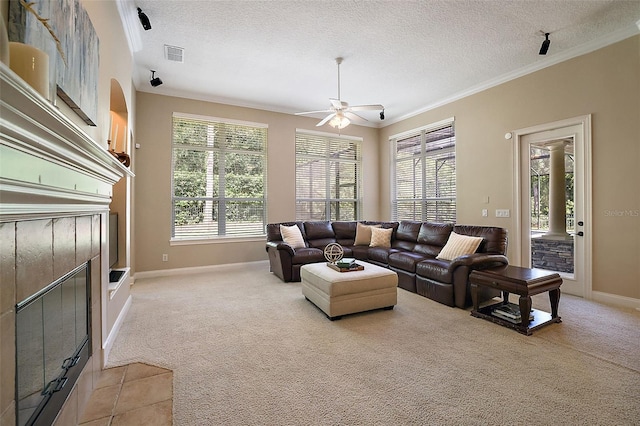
<point x="74" y="77"/>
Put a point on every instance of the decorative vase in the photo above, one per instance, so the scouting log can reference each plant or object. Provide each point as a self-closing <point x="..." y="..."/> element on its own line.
<point x="4" y="42"/>
<point x="32" y="65"/>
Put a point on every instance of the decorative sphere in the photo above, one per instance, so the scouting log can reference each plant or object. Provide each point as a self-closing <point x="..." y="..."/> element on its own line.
<point x="333" y="252"/>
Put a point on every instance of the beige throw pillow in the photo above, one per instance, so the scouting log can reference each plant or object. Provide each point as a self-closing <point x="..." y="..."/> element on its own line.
<point x="459" y="245"/>
<point x="292" y="236"/>
<point x="381" y="237"/>
<point x="363" y="234"/>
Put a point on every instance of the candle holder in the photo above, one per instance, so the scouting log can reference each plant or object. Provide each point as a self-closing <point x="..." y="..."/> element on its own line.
<point x="122" y="157"/>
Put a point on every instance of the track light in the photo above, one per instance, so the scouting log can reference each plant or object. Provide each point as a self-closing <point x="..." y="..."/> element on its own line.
<point x="144" y="20"/>
<point x="155" y="81"/>
<point x="382" y="115"/>
<point x="545" y="44"/>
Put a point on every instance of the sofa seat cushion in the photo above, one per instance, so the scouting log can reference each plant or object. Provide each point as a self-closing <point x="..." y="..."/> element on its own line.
<point x="435" y="269"/>
<point x="307" y="255"/>
<point x="380" y="254"/>
<point x="358" y="252"/>
<point x="406" y="260"/>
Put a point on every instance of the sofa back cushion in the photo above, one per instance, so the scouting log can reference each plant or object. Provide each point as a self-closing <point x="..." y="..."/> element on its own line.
<point x="273" y="230"/>
<point x="345" y="232"/>
<point x="494" y="239"/>
<point x="407" y="235"/>
<point x="319" y="234"/>
<point x="432" y="237"/>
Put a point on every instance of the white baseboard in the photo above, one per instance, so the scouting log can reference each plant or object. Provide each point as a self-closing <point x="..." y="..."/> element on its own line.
<point x="108" y="343"/>
<point x="613" y="299"/>
<point x="194" y="270"/>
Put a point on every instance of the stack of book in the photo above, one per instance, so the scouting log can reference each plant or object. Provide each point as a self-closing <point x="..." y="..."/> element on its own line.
<point x="510" y="312"/>
<point x="347" y="263"/>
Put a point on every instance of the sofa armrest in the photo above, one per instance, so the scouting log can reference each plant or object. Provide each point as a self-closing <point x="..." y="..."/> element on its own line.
<point x="280" y="259"/>
<point x="462" y="268"/>
<point x="281" y="245"/>
<point x="479" y="261"/>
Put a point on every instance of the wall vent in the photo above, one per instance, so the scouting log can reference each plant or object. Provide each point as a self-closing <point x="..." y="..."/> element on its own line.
<point x="174" y="53"/>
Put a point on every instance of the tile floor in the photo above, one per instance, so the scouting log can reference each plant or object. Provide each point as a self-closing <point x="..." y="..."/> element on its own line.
<point x="135" y="394"/>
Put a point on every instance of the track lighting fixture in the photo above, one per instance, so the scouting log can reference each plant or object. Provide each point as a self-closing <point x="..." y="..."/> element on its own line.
<point x="545" y="44"/>
<point x="144" y="20"/>
<point x="155" y="81"/>
<point x="382" y="115"/>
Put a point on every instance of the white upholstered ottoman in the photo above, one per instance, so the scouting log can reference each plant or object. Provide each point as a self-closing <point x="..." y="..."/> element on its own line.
<point x="341" y="293"/>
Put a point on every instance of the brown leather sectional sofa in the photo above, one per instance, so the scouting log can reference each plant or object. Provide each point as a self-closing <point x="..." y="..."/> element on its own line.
<point x="412" y="255"/>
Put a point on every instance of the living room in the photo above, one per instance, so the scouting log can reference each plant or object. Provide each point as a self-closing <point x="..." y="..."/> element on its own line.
<point x="602" y="83"/>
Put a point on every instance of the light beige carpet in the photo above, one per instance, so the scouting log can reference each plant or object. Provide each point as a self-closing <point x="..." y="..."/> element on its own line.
<point x="248" y="349"/>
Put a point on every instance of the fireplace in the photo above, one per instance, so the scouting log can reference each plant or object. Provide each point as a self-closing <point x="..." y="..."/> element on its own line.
<point x="53" y="344"/>
<point x="56" y="186"/>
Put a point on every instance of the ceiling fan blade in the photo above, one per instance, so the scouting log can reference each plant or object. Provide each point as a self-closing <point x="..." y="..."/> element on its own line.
<point x="338" y="104"/>
<point x="313" y="112"/>
<point x="366" y="107"/>
<point x="327" y="118"/>
<point x="355" y="116"/>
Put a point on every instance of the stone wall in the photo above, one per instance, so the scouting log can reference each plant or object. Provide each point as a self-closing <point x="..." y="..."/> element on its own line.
<point x="554" y="255"/>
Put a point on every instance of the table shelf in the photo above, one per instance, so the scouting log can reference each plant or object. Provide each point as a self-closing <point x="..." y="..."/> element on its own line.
<point x="540" y="318"/>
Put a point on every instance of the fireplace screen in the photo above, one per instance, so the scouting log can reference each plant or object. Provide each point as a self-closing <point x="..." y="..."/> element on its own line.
<point x="52" y="346"/>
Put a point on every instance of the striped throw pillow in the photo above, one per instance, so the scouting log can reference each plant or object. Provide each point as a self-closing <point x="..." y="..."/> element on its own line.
<point x="292" y="236"/>
<point x="459" y="245"/>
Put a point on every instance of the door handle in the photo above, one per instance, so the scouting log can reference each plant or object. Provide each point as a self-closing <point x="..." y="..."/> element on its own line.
<point x="580" y="234"/>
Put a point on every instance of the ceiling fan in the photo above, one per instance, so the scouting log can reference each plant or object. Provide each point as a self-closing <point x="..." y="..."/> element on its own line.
<point x="340" y="111"/>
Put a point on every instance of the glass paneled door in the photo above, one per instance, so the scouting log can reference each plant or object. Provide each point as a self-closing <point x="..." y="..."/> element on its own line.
<point x="552" y="197"/>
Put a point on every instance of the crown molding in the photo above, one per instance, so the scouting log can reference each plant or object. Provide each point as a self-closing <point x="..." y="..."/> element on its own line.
<point x="129" y="17"/>
<point x="614" y="37"/>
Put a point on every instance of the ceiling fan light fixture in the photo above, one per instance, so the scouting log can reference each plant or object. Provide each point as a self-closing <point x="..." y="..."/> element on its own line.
<point x="339" y="121"/>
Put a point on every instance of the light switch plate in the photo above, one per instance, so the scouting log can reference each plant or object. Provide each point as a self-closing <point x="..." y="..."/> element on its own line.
<point x="502" y="213"/>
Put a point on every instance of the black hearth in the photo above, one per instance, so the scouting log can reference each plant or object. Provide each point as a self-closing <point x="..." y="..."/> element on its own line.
<point x="53" y="344"/>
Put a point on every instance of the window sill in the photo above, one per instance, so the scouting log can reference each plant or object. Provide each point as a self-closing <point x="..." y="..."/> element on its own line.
<point x="221" y="240"/>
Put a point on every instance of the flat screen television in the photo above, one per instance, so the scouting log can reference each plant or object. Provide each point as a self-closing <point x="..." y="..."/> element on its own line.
<point x="113" y="239"/>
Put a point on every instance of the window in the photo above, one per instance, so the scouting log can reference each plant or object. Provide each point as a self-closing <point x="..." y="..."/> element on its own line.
<point x="425" y="174"/>
<point x="327" y="177"/>
<point x="219" y="178"/>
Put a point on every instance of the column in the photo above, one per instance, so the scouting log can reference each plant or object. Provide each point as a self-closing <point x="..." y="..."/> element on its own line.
<point x="557" y="196"/>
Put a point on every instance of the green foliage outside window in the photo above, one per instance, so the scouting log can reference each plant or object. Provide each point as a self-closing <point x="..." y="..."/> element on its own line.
<point x="219" y="178"/>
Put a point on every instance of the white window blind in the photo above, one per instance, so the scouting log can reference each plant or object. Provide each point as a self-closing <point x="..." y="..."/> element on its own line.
<point x="328" y="177"/>
<point x="218" y="178"/>
<point x="425" y="175"/>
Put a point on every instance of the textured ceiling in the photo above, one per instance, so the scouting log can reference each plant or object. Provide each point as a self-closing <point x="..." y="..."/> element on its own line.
<point x="407" y="55"/>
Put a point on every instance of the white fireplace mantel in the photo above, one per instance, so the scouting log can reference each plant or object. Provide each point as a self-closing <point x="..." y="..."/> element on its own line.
<point x="48" y="165"/>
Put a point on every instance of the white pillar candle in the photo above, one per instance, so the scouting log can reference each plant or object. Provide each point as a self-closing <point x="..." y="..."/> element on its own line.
<point x="115" y="141"/>
<point x="4" y="43"/>
<point x="110" y="126"/>
<point x="32" y="65"/>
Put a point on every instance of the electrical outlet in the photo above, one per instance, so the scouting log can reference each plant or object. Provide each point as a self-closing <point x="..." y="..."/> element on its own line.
<point x="165" y="257"/>
<point x="485" y="212"/>
<point x="502" y="213"/>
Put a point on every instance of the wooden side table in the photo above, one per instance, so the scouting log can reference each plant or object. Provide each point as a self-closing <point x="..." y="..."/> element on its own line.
<point x="524" y="282"/>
